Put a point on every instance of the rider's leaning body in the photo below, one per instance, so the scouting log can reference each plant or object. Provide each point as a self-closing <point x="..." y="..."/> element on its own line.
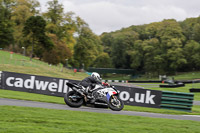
<point x="90" y="82"/>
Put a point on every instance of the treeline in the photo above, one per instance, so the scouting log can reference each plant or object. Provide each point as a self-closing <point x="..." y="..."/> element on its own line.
<point x="157" y="48"/>
<point x="55" y="36"/>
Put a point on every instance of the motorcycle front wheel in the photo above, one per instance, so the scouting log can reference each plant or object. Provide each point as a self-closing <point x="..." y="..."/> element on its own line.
<point x="115" y="103"/>
<point x="73" y="99"/>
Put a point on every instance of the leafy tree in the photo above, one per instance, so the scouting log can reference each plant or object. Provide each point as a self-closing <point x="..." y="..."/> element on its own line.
<point x="35" y="30"/>
<point x="54" y="17"/>
<point x="103" y="61"/>
<point x="154" y="60"/>
<point x="170" y="35"/>
<point x="137" y="55"/>
<point x="55" y="12"/>
<point x="63" y="25"/>
<point x="6" y="25"/>
<point x="87" y="48"/>
<point x="21" y="11"/>
<point x="175" y="54"/>
<point x="107" y="41"/>
<point x="196" y="32"/>
<point x="192" y="55"/>
<point x="58" y="54"/>
<point x="151" y="30"/>
<point x="187" y="27"/>
<point x="121" y="47"/>
<point x="169" y="29"/>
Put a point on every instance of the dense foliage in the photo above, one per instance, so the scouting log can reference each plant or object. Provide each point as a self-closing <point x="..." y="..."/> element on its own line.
<point x="157" y="48"/>
<point x="56" y="36"/>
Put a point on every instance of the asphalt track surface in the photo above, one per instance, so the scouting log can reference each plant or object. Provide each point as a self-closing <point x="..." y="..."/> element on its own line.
<point x="14" y="102"/>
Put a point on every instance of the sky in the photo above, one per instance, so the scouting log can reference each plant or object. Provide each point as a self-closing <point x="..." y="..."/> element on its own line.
<point x="111" y="15"/>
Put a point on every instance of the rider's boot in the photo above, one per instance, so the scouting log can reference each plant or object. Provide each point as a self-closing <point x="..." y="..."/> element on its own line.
<point x="89" y="95"/>
<point x="89" y="92"/>
<point x="92" y="100"/>
<point x="86" y="91"/>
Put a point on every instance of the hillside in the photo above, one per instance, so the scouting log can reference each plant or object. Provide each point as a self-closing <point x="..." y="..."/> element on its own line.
<point x="21" y="64"/>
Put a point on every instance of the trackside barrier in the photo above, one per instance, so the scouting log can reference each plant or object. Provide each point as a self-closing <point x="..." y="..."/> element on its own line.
<point x="133" y="96"/>
<point x="177" y="101"/>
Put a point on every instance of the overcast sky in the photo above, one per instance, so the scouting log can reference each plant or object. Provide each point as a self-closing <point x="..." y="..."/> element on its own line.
<point x="110" y="15"/>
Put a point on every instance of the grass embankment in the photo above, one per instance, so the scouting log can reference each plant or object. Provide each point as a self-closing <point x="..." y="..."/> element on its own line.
<point x="60" y="100"/>
<point x="37" y="120"/>
<point x="21" y="64"/>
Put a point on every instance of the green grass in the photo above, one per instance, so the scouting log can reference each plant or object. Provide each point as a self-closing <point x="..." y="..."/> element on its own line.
<point x="179" y="76"/>
<point x="60" y="100"/>
<point x="38" y="120"/>
<point x="30" y="96"/>
<point x="22" y="64"/>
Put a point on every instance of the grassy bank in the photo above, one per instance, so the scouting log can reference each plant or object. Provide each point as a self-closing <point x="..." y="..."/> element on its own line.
<point x="60" y="100"/>
<point x="37" y="120"/>
<point x="21" y="64"/>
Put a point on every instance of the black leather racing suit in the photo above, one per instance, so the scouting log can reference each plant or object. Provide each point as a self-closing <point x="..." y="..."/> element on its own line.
<point x="89" y="81"/>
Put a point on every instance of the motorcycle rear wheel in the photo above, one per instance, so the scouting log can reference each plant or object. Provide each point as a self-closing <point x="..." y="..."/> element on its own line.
<point x="115" y="103"/>
<point x="73" y="99"/>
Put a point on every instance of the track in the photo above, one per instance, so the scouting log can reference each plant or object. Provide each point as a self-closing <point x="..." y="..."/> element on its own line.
<point x="14" y="102"/>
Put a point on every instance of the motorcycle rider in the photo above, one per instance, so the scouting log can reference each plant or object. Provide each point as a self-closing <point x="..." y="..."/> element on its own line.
<point x="90" y="82"/>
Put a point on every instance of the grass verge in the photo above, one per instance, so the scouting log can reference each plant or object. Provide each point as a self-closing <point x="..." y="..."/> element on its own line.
<point x="60" y="100"/>
<point x="38" y="120"/>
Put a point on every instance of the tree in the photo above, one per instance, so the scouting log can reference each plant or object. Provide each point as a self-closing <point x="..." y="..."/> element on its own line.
<point x="21" y="11"/>
<point x="103" y="61"/>
<point x="169" y="29"/>
<point x="55" y="11"/>
<point x="107" y="41"/>
<point x="121" y="48"/>
<point x="196" y="32"/>
<point x="6" y="25"/>
<point x="58" y="54"/>
<point x="170" y="35"/>
<point x="187" y="26"/>
<point x="87" y="48"/>
<point x="137" y="56"/>
<point x="175" y="55"/>
<point x="192" y="55"/>
<point x="63" y="25"/>
<point x="54" y="17"/>
<point x="35" y="30"/>
<point x="154" y="59"/>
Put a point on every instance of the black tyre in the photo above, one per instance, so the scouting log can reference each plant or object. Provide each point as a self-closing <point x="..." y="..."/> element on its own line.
<point x="73" y="99"/>
<point x="115" y="103"/>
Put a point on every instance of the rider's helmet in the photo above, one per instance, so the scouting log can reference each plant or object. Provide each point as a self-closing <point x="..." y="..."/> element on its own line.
<point x="96" y="76"/>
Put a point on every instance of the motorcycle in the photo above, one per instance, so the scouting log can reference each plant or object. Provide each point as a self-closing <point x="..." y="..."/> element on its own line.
<point x="104" y="95"/>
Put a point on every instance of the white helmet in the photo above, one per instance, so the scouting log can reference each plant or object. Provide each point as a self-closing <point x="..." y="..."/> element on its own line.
<point x="96" y="76"/>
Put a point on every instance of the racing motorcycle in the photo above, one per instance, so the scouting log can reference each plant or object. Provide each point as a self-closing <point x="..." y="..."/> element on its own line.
<point x="104" y="95"/>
